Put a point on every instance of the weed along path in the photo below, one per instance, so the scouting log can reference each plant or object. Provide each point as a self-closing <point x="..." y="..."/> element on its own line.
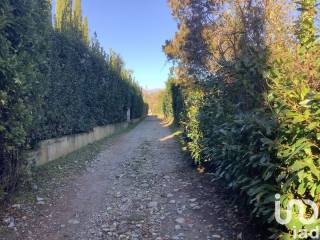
<point x="139" y="186"/>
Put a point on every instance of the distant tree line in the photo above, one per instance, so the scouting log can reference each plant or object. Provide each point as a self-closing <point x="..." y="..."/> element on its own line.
<point x="54" y="80"/>
<point x="154" y="100"/>
<point x="246" y="91"/>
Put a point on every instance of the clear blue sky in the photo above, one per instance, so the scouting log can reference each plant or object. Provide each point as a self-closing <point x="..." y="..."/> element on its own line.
<point x="136" y="29"/>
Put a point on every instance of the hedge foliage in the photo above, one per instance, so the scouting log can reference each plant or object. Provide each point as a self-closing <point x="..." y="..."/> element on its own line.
<point x="245" y="89"/>
<point x="53" y="81"/>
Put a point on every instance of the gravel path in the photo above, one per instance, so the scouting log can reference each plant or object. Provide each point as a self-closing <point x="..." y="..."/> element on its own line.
<point x="139" y="187"/>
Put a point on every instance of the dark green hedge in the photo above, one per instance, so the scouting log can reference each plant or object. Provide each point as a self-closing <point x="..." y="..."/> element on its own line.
<point x="52" y="83"/>
<point x="83" y="90"/>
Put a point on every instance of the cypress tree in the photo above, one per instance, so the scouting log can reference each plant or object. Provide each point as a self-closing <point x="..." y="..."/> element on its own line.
<point x="63" y="14"/>
<point x="60" y="6"/>
<point x="85" y="31"/>
<point x="67" y="16"/>
<point x="77" y="15"/>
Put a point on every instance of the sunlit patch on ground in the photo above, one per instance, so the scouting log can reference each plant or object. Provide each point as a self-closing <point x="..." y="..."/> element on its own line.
<point x="171" y="136"/>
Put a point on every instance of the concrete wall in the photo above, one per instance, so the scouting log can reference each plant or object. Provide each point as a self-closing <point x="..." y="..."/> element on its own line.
<point x="52" y="149"/>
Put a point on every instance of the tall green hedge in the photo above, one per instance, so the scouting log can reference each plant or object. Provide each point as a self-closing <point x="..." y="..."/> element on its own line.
<point x="251" y="115"/>
<point x="54" y="83"/>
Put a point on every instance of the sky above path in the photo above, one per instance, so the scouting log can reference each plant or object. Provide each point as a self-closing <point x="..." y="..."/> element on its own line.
<point x="136" y="29"/>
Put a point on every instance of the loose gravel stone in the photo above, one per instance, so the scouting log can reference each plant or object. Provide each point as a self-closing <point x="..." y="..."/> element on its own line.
<point x="180" y="220"/>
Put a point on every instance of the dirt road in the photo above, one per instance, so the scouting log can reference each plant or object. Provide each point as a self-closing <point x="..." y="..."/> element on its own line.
<point x="139" y="187"/>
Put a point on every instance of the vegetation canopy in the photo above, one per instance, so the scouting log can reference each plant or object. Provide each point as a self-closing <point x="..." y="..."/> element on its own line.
<point x="245" y="89"/>
<point x="54" y="80"/>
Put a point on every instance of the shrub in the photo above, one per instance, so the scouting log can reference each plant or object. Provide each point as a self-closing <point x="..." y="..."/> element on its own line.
<point x="249" y="79"/>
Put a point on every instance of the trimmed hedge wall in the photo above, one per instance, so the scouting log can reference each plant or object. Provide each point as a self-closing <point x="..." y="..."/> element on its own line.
<point x="54" y="83"/>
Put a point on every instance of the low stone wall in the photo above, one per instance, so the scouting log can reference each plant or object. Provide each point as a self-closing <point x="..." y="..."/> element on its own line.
<point x="52" y="149"/>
